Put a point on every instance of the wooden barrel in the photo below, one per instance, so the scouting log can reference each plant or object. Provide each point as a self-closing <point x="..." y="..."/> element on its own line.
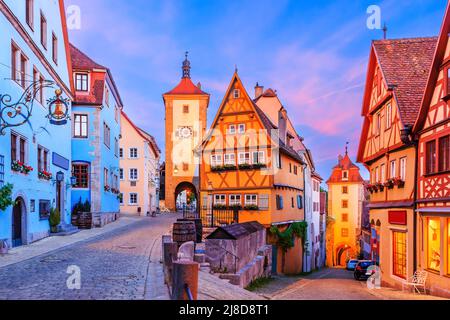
<point x="198" y="228"/>
<point x="183" y="231"/>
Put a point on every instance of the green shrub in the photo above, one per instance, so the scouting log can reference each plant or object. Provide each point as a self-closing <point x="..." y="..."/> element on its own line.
<point x="55" y="219"/>
<point x="5" y="197"/>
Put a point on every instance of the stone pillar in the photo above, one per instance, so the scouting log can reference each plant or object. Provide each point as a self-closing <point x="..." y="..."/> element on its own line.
<point x="185" y="275"/>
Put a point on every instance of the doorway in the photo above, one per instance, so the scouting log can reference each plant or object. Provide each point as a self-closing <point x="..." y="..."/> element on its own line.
<point x="18" y="223"/>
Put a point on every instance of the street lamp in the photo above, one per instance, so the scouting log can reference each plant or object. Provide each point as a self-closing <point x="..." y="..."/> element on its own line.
<point x="73" y="181"/>
<point x="59" y="176"/>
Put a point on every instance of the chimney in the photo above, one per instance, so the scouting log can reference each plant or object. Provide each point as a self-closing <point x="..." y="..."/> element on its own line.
<point x="258" y="90"/>
<point x="199" y="85"/>
<point x="282" y="124"/>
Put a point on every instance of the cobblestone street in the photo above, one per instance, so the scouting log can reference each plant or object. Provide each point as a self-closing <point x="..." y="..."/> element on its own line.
<point x="121" y="264"/>
<point x="330" y="284"/>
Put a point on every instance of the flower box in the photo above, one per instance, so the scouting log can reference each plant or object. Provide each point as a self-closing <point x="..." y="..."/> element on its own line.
<point x="45" y="175"/>
<point x="107" y="188"/>
<point x="259" y="166"/>
<point x="399" y="182"/>
<point x="251" y="207"/>
<point x="20" y="167"/>
<point x="389" y="184"/>
<point x="219" y="207"/>
<point x="245" y="166"/>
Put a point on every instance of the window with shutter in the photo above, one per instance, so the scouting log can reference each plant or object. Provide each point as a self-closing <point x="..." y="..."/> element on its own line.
<point x="264" y="202"/>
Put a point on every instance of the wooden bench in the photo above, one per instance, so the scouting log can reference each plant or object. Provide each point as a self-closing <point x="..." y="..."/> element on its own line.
<point x="417" y="281"/>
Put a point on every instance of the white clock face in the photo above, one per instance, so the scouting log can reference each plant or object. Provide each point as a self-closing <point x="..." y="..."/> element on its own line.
<point x="185" y="132"/>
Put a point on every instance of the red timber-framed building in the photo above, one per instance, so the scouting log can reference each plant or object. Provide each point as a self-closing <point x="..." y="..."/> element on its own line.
<point x="396" y="80"/>
<point x="432" y="129"/>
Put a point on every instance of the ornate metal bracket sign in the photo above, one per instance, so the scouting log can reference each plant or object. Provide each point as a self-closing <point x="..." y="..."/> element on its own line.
<point x="15" y="114"/>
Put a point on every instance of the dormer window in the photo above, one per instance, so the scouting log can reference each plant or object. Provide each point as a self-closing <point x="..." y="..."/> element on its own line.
<point x="236" y="93"/>
<point x="81" y="82"/>
<point x="345" y="175"/>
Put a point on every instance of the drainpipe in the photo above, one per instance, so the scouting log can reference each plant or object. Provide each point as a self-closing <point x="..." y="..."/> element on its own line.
<point x="416" y="144"/>
<point x="304" y="214"/>
<point x="408" y="138"/>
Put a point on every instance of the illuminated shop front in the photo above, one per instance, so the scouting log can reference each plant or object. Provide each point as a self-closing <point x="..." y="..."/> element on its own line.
<point x="434" y="244"/>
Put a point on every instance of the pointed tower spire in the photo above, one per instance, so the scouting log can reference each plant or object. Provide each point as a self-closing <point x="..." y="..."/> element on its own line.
<point x="385" y="30"/>
<point x="186" y="67"/>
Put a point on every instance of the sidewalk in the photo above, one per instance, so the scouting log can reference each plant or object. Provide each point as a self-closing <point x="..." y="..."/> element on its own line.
<point x="49" y="244"/>
<point x="386" y="293"/>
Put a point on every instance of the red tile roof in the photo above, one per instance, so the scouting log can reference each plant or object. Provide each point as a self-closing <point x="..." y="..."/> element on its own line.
<point x="186" y="86"/>
<point x="81" y="61"/>
<point x="405" y="64"/>
<point x="345" y="164"/>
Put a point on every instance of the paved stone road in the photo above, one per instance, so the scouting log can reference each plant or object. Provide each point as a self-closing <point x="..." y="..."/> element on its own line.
<point x="329" y="284"/>
<point x="122" y="264"/>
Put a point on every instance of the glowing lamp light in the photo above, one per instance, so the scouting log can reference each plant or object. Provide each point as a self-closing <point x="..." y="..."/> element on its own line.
<point x="60" y="176"/>
<point x="175" y="170"/>
<point x="73" y="181"/>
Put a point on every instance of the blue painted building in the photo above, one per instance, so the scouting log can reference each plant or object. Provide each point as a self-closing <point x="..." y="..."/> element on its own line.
<point x="95" y="135"/>
<point x="34" y="48"/>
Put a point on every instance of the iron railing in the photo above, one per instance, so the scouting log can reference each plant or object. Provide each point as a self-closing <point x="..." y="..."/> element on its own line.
<point x="214" y="217"/>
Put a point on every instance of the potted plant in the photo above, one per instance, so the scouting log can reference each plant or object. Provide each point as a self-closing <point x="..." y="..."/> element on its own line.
<point x="55" y="220"/>
<point x="251" y="207"/>
<point x="107" y="188"/>
<point x="229" y="167"/>
<point x="219" y="207"/>
<point x="380" y="186"/>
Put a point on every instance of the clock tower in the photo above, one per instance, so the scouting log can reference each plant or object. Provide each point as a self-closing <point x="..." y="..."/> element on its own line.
<point x="186" y="115"/>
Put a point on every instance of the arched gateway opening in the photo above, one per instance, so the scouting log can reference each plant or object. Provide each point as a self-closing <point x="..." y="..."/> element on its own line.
<point x="342" y="254"/>
<point x="19" y="223"/>
<point x="186" y="197"/>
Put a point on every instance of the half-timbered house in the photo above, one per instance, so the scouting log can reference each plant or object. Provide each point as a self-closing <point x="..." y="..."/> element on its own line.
<point x="433" y="171"/>
<point x="396" y="79"/>
<point x="249" y="163"/>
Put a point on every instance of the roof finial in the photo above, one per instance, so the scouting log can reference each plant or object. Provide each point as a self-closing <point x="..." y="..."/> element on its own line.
<point x="186" y="66"/>
<point x="385" y="30"/>
<point x="235" y="68"/>
<point x="346" y="148"/>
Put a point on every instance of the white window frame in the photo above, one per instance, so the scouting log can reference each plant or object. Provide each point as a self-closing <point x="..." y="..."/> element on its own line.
<point x="242" y="158"/>
<point x="393" y="169"/>
<point x="216" y="160"/>
<point x="403" y="164"/>
<point x="235" y="199"/>
<point x="130" y="153"/>
<point x="383" y="172"/>
<point x="231" y="129"/>
<point x="130" y="197"/>
<point x="345" y="175"/>
<point x="236" y="93"/>
<point x="377" y="174"/>
<point x="230" y="159"/>
<point x="220" y="199"/>
<point x="249" y="201"/>
<point x="131" y="176"/>
<point x="241" y="128"/>
<point x="81" y="88"/>
<point x="388" y="115"/>
<point x="121" y="153"/>
<point x="121" y="174"/>
<point x="260" y="155"/>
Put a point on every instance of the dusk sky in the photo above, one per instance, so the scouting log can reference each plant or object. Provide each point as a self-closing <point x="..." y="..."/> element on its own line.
<point x="314" y="53"/>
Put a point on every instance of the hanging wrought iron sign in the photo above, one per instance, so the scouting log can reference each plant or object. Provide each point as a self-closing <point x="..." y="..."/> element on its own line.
<point x="58" y="109"/>
<point x="15" y="114"/>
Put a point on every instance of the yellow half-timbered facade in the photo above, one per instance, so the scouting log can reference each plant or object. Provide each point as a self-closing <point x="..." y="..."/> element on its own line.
<point x="249" y="163"/>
